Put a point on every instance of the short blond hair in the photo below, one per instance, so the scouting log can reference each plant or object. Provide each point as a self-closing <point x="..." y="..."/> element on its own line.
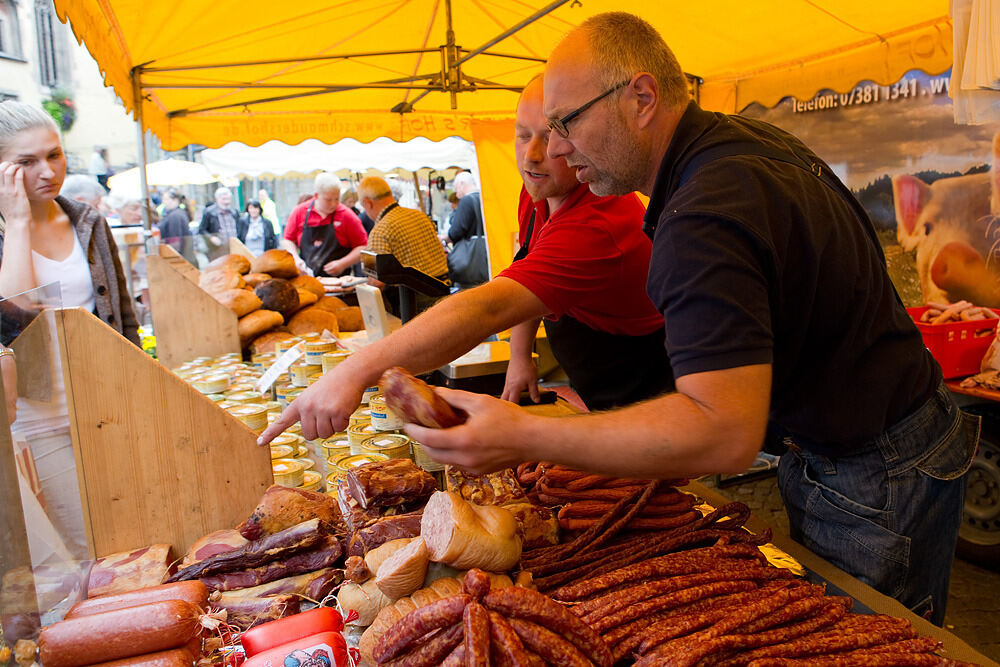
<point x="16" y="117"/>
<point x="374" y="188"/>
<point x="623" y="44"/>
<point x="326" y="182"/>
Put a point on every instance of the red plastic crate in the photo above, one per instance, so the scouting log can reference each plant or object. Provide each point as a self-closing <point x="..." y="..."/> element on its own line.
<point x="958" y="347"/>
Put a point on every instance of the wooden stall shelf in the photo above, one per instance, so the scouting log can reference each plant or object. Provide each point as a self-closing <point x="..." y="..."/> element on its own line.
<point x="157" y="462"/>
<point x="187" y="321"/>
<point x="236" y="247"/>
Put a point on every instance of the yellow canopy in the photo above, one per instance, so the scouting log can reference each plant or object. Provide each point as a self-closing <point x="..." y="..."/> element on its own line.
<point x="251" y="71"/>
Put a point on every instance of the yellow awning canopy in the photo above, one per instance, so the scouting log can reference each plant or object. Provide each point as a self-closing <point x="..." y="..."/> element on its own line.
<point x="252" y="71"/>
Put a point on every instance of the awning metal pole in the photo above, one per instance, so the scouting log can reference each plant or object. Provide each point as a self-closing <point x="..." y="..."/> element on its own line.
<point x="147" y="215"/>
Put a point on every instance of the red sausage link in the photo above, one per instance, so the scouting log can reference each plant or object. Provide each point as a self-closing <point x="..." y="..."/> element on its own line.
<point x="548" y="645"/>
<point x="431" y="651"/>
<point x="476" y="621"/>
<point x="121" y="633"/>
<point x="407" y="630"/>
<point x="535" y="607"/>
<point x="194" y="592"/>
<point x="507" y="643"/>
<point x="476" y="583"/>
<point x="178" y="657"/>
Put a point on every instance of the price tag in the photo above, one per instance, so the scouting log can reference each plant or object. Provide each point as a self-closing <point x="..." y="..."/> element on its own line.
<point x="281" y="365"/>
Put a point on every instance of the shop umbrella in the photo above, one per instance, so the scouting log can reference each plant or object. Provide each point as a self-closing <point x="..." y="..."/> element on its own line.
<point x="164" y="172"/>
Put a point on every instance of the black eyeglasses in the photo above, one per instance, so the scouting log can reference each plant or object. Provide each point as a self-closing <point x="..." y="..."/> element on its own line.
<point x="558" y="125"/>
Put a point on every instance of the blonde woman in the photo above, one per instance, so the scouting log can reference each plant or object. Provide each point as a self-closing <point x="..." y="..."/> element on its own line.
<point x="46" y="238"/>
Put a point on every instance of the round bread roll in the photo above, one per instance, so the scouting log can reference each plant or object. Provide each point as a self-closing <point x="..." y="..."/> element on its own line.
<point x="350" y="319"/>
<point x="309" y="283"/>
<point x="265" y="342"/>
<point x="240" y="301"/>
<point x="330" y="304"/>
<point x="237" y="263"/>
<point x="220" y="280"/>
<point x="252" y="325"/>
<point x="313" y="320"/>
<point x="278" y="263"/>
<point x="254" y="279"/>
<point x="306" y="298"/>
<point x="279" y="295"/>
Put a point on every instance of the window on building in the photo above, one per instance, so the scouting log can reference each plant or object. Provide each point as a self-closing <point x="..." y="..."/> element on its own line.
<point x="52" y="61"/>
<point x="10" y="34"/>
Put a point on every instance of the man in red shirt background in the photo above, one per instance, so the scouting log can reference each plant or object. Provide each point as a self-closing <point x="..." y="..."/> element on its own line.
<point x="323" y="233"/>
<point x="586" y="261"/>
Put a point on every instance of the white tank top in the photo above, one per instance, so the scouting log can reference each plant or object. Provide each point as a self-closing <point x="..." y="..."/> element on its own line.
<point x="72" y="274"/>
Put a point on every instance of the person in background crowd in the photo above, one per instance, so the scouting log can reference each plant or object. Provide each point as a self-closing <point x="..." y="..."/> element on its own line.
<point x="467" y="219"/>
<point x="350" y="200"/>
<point x="583" y="257"/>
<point x="175" y="223"/>
<point x="219" y="218"/>
<point x="324" y="234"/>
<point x="47" y="237"/>
<point x="782" y="326"/>
<point x="405" y="233"/>
<point x="129" y="210"/>
<point x="269" y="210"/>
<point x="255" y="231"/>
<point x="83" y="188"/>
<point x="100" y="166"/>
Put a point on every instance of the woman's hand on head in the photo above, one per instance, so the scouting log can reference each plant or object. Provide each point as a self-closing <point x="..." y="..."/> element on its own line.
<point x="14" y="206"/>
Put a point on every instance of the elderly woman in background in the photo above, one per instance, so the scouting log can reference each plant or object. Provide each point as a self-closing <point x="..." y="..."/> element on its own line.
<point x="48" y="238"/>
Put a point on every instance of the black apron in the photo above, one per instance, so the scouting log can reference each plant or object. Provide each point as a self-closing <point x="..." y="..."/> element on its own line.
<point x="319" y="245"/>
<point x="605" y="369"/>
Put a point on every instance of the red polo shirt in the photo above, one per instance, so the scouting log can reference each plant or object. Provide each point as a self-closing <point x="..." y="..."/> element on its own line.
<point x="348" y="228"/>
<point x="589" y="260"/>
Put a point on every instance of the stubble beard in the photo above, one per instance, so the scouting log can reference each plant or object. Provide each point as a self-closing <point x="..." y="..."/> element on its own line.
<point x="624" y="162"/>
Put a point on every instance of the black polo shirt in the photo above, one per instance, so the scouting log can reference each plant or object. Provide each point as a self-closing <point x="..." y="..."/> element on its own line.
<point x="756" y="260"/>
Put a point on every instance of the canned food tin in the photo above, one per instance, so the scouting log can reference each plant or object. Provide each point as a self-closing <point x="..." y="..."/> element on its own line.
<point x="393" y="445"/>
<point x="357" y="434"/>
<point x="311" y="480"/>
<point x="368" y="393"/>
<point x="383" y="418"/>
<point x="424" y="461"/>
<point x="292" y="394"/>
<point x="283" y="346"/>
<point x="335" y="445"/>
<point x="254" y="416"/>
<point x="212" y="384"/>
<point x="315" y="349"/>
<point x="288" y="472"/>
<point x="330" y="359"/>
<point x="244" y="397"/>
<point x="301" y="372"/>
<point x="362" y="415"/>
<point x="281" y="452"/>
<point x="287" y="440"/>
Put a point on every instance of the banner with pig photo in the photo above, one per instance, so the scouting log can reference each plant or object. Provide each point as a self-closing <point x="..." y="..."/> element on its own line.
<point x="932" y="187"/>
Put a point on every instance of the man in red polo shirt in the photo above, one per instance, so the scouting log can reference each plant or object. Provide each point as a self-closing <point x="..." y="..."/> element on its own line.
<point x="325" y="234"/>
<point x="582" y="267"/>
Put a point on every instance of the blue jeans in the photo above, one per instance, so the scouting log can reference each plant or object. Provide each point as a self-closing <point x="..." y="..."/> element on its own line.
<point x="889" y="515"/>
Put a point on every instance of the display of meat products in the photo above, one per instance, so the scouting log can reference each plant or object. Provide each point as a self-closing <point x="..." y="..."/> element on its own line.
<point x="356" y="571"/>
<point x="464" y="535"/>
<point x="326" y="554"/>
<point x="383" y="530"/>
<point x="254" y="554"/>
<point x="177" y="657"/>
<point x="246" y="612"/>
<point x="312" y="585"/>
<point x="282" y="507"/>
<point x="415" y="402"/>
<point x="130" y="570"/>
<point x="216" y="542"/>
<point x="389" y="483"/>
<point x="356" y="517"/>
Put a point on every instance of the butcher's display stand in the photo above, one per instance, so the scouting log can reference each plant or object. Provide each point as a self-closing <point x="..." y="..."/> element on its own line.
<point x="187" y="321"/>
<point x="155" y="461"/>
<point x="819" y="569"/>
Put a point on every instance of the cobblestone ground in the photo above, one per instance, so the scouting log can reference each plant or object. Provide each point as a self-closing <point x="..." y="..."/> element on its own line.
<point x="974" y="597"/>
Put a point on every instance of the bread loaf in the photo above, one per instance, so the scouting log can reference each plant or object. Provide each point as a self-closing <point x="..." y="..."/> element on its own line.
<point x="237" y="263"/>
<point x="277" y="263"/>
<point x="240" y="301"/>
<point x="265" y="342"/>
<point x="464" y="535"/>
<point x="309" y="283"/>
<point x="350" y="319"/>
<point x="330" y="304"/>
<point x="220" y="280"/>
<point x="254" y="279"/>
<point x="254" y="324"/>
<point x="306" y="298"/>
<point x="313" y="320"/>
<point x="278" y="294"/>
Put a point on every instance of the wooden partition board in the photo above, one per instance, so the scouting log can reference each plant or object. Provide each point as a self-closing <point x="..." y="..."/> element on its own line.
<point x="187" y="321"/>
<point x="236" y="247"/>
<point x="14" y="551"/>
<point x="157" y="461"/>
